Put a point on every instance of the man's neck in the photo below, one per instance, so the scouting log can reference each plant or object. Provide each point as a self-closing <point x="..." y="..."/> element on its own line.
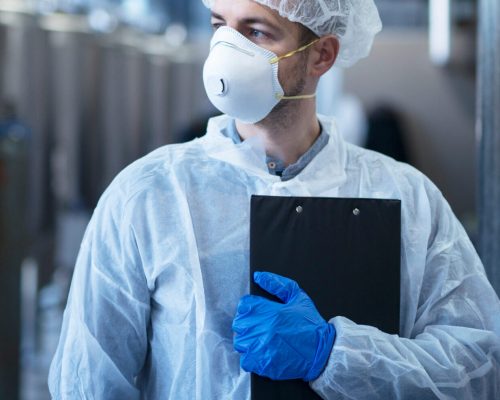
<point x="286" y="136"/>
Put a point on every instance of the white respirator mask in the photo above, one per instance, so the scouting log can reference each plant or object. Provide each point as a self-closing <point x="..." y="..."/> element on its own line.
<point x="241" y="78"/>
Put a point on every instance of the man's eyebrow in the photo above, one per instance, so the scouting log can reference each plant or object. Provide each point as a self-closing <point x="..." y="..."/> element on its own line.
<point x="217" y="16"/>
<point x="250" y="21"/>
<point x="263" y="21"/>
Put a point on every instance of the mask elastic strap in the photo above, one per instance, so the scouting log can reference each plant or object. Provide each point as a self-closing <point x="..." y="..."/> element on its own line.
<point x="292" y="53"/>
<point x="300" y="97"/>
<point x="287" y="55"/>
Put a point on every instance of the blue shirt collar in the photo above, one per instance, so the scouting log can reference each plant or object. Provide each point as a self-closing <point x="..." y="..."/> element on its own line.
<point x="276" y="166"/>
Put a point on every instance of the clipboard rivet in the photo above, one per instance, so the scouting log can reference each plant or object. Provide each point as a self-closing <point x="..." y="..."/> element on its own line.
<point x="356" y="211"/>
<point x="299" y="210"/>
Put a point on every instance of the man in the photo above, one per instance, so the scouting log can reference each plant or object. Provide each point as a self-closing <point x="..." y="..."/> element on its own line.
<point x="162" y="276"/>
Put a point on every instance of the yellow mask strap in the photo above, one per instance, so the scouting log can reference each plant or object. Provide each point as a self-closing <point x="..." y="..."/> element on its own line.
<point x="287" y="55"/>
<point x="292" y="53"/>
<point x="300" y="97"/>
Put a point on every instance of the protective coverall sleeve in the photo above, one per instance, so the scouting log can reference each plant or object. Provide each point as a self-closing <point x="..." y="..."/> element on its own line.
<point x="454" y="348"/>
<point x="103" y="342"/>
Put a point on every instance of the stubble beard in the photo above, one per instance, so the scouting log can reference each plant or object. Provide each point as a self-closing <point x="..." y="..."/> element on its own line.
<point x="286" y="112"/>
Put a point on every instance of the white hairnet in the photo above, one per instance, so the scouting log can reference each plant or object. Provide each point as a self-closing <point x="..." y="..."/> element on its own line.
<point x="354" y="22"/>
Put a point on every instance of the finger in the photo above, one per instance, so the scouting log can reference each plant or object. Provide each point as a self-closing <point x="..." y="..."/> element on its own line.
<point x="241" y="325"/>
<point x="254" y="362"/>
<point x="250" y="312"/>
<point x="245" y="342"/>
<point x="279" y="286"/>
<point x="245" y="305"/>
<point x="238" y="346"/>
<point x="249" y="363"/>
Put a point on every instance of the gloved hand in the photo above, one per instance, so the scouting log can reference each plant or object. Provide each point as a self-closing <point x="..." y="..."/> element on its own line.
<point x="288" y="340"/>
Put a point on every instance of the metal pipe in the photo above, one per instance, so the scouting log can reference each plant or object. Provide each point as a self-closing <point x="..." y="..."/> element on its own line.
<point x="488" y="131"/>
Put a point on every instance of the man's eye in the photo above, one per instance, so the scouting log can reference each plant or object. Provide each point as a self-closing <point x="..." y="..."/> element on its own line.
<point x="216" y="26"/>
<point x="257" y="34"/>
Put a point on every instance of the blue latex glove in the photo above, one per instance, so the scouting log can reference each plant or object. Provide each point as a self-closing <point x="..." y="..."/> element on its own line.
<point x="288" y="340"/>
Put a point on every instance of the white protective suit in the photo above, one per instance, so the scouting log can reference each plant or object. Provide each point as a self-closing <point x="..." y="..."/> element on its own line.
<point x="165" y="261"/>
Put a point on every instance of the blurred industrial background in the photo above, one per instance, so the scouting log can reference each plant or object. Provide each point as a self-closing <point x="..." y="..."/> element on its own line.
<point x="88" y="86"/>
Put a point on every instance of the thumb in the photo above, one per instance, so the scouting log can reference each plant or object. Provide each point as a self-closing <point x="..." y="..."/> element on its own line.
<point x="283" y="288"/>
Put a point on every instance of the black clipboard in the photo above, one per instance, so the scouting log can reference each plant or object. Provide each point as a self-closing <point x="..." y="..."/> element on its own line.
<point x="345" y="254"/>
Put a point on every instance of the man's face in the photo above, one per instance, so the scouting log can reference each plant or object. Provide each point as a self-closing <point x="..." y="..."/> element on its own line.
<point x="266" y="28"/>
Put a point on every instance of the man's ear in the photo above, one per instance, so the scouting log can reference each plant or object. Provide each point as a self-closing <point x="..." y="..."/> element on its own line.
<point x="323" y="55"/>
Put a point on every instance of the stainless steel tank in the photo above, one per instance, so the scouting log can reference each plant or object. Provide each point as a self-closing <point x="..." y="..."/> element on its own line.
<point x="68" y="49"/>
<point x="176" y="96"/>
<point x="122" y="87"/>
<point x="23" y="82"/>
